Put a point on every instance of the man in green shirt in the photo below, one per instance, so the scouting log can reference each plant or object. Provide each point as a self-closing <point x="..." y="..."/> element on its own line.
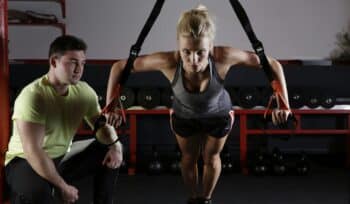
<point x="47" y="114"/>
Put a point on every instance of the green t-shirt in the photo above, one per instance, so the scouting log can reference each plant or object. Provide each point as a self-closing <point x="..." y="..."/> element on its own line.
<point x="39" y="103"/>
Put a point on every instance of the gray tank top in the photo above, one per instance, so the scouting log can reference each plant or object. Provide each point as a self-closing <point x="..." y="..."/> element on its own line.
<point x="212" y="102"/>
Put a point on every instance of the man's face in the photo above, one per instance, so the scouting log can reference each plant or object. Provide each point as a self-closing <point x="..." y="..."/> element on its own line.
<point x="69" y="67"/>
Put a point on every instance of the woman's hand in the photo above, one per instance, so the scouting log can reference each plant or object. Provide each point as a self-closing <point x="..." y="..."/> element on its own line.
<point x="280" y="116"/>
<point x="114" y="119"/>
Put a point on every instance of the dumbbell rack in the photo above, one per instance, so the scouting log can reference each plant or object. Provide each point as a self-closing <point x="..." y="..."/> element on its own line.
<point x="132" y="132"/>
<point x="243" y="116"/>
<point x="298" y="130"/>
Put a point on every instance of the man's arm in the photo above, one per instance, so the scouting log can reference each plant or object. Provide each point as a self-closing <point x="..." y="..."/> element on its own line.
<point x="114" y="157"/>
<point x="32" y="137"/>
<point x="106" y="134"/>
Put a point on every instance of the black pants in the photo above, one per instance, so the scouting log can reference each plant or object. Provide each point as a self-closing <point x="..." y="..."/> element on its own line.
<point x="27" y="187"/>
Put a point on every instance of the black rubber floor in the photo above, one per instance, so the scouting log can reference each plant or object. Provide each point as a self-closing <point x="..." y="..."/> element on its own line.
<point x="323" y="186"/>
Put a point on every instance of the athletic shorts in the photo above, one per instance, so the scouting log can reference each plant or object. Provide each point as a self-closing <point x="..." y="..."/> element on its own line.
<point x="214" y="126"/>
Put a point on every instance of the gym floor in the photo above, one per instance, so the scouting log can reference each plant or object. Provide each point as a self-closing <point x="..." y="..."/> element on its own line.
<point x="322" y="186"/>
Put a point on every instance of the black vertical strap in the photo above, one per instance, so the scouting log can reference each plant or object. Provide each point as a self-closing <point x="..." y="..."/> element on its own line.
<point x="259" y="50"/>
<point x="135" y="49"/>
<point x="257" y="45"/>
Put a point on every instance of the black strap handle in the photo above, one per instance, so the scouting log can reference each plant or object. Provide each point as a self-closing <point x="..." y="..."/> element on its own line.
<point x="136" y="48"/>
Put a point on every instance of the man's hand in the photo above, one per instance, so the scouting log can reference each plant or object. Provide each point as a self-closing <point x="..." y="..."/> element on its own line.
<point x="114" y="157"/>
<point x="69" y="194"/>
<point x="280" y="116"/>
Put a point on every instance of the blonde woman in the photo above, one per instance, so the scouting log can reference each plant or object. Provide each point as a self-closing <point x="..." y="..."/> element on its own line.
<point x="202" y="114"/>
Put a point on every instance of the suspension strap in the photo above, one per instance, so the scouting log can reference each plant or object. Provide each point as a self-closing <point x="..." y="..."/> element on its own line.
<point x="260" y="52"/>
<point x="134" y="53"/>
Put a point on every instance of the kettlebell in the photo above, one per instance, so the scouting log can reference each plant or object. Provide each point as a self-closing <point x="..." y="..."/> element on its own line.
<point x="175" y="166"/>
<point x="302" y="165"/>
<point x="278" y="164"/>
<point x="155" y="167"/>
<point x="227" y="164"/>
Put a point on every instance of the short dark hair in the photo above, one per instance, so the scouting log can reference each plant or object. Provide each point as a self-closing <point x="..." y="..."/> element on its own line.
<point x="66" y="43"/>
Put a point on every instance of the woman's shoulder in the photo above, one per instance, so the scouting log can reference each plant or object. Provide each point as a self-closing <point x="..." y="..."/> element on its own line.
<point x="166" y="55"/>
<point x="224" y="51"/>
<point x="227" y="54"/>
<point x="165" y="58"/>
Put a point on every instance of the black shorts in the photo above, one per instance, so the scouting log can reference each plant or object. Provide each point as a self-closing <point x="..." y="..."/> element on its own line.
<point x="214" y="126"/>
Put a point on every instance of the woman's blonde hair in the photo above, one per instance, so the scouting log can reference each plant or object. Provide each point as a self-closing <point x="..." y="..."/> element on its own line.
<point x="196" y="23"/>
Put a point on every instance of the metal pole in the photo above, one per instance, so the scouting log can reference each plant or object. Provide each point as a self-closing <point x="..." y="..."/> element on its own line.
<point x="4" y="91"/>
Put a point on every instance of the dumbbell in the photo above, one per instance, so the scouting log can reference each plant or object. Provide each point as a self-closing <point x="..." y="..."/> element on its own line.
<point x="127" y="97"/>
<point x="328" y="100"/>
<point x="248" y="97"/>
<point x="313" y="98"/>
<point x="148" y="97"/>
<point x="296" y="98"/>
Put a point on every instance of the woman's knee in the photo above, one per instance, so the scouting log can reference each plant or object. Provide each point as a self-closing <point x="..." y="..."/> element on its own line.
<point x="189" y="159"/>
<point x="212" y="159"/>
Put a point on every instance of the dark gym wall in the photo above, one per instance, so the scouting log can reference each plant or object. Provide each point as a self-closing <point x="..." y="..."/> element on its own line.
<point x="332" y="78"/>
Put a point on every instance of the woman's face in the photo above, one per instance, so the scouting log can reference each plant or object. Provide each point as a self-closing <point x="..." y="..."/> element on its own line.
<point x="194" y="52"/>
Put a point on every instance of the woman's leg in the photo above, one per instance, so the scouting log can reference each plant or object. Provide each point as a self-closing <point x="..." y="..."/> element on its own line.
<point x="218" y="131"/>
<point x="212" y="163"/>
<point x="190" y="149"/>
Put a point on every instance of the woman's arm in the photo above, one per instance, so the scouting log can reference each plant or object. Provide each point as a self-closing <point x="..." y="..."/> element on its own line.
<point x="226" y="57"/>
<point x="279" y="76"/>
<point x="162" y="61"/>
